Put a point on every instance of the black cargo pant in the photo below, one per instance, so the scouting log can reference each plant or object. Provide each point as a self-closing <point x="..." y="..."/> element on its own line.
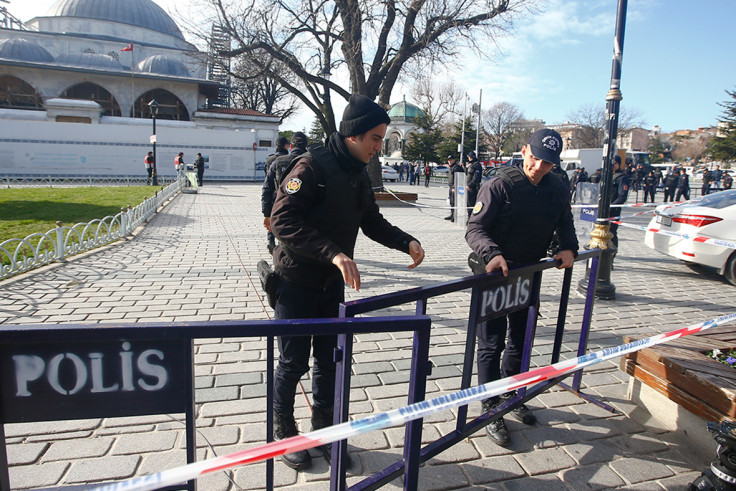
<point x="294" y="302"/>
<point x="492" y="343"/>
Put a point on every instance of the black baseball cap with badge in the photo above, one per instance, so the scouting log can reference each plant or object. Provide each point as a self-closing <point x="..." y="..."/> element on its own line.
<point x="546" y="145"/>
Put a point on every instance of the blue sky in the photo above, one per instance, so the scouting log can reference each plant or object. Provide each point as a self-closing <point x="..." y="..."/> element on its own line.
<point x="676" y="65"/>
<point x="675" y="61"/>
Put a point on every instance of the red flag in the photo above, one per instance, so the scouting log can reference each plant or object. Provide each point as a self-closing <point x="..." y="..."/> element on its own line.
<point x="128" y="47"/>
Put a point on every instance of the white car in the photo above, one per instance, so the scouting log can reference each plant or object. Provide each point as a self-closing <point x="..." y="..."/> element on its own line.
<point x="712" y="216"/>
<point x="389" y="173"/>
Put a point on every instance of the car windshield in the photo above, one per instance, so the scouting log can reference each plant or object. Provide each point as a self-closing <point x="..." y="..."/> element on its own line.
<point x="718" y="201"/>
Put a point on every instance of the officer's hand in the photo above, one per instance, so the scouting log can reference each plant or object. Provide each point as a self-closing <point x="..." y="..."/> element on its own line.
<point x="567" y="258"/>
<point x="349" y="270"/>
<point x="416" y="252"/>
<point x="498" y="262"/>
<point x="267" y="223"/>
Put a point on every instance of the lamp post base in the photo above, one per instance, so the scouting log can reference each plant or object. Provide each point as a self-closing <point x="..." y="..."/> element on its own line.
<point x="600" y="238"/>
<point x="604" y="289"/>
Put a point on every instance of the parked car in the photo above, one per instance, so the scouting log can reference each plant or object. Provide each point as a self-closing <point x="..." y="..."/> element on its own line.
<point x="441" y="170"/>
<point x="389" y="173"/>
<point x="712" y="216"/>
<point x="489" y="172"/>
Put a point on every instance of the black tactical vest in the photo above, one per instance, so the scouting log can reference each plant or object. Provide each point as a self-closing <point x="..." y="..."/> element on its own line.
<point x="339" y="210"/>
<point x="524" y="227"/>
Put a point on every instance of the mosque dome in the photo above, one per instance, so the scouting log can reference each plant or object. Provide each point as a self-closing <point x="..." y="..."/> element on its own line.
<point x="24" y="50"/>
<point x="89" y="60"/>
<point x="163" y="65"/>
<point x="142" y="13"/>
<point x="403" y="111"/>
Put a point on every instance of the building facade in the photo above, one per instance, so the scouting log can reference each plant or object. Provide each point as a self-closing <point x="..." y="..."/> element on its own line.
<point x="75" y="88"/>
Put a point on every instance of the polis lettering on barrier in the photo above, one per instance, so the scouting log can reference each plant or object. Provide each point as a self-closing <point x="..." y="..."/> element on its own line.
<point x="88" y="370"/>
<point x="506" y="297"/>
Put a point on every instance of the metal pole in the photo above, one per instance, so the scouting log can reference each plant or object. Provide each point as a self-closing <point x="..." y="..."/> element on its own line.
<point x="601" y="235"/>
<point x="477" y="128"/>
<point x="154" y="179"/>
<point x="462" y="134"/>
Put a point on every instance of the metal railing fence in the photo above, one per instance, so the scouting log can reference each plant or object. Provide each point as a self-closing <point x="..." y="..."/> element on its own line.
<point x="22" y="255"/>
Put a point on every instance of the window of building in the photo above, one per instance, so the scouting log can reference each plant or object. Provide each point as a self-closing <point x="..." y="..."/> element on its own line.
<point x="93" y="92"/>
<point x="169" y="106"/>
<point x="18" y="94"/>
<point x="265" y="143"/>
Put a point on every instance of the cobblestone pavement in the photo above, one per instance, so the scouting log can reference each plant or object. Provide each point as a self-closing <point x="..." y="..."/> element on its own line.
<point x="196" y="261"/>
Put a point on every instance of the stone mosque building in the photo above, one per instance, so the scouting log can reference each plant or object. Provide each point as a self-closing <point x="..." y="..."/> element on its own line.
<point x="75" y="87"/>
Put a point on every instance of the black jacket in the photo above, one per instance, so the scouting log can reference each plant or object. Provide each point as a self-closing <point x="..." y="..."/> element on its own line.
<point x="518" y="221"/>
<point x="475" y="175"/>
<point x="278" y="165"/>
<point x="318" y="210"/>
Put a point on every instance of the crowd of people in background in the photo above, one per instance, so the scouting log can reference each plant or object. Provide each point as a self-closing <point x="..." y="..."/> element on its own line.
<point x="674" y="184"/>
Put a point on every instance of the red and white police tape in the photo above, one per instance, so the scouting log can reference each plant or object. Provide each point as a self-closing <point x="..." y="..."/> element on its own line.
<point x="398" y="416"/>
<point x="695" y="238"/>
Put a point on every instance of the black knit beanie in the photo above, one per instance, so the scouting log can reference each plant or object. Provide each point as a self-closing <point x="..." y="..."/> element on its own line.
<point x="361" y="115"/>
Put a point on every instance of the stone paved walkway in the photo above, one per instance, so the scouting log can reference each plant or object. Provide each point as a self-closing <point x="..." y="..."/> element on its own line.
<point x="196" y="261"/>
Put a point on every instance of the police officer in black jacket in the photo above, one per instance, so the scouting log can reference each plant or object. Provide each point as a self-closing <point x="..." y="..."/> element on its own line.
<point x="452" y="167"/>
<point x="320" y="205"/>
<point x="475" y="177"/>
<point x="281" y="144"/>
<point x="512" y="223"/>
<point x="670" y="184"/>
<point x="273" y="178"/>
<point x="620" y="185"/>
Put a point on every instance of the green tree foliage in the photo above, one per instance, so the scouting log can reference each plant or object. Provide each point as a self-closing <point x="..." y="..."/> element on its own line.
<point x="657" y="151"/>
<point x="451" y="140"/>
<point x="424" y="144"/>
<point x="316" y="132"/>
<point x="723" y="146"/>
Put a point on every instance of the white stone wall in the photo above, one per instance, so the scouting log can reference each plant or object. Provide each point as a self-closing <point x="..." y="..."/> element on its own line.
<point x="117" y="146"/>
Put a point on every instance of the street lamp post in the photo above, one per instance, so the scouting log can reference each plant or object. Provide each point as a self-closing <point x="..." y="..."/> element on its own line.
<point x="153" y="106"/>
<point x="601" y="235"/>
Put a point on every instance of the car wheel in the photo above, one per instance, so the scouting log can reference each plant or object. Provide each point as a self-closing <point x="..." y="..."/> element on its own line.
<point x="730" y="272"/>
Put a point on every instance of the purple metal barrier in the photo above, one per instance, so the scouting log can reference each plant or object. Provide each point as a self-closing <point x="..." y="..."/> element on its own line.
<point x="94" y="357"/>
<point x="483" y="306"/>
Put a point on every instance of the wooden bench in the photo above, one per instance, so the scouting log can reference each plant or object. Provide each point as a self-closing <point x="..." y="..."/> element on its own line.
<point x="682" y="372"/>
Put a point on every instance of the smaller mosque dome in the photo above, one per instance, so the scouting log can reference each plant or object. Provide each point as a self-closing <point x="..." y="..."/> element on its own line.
<point x="163" y="65"/>
<point x="89" y="60"/>
<point x="24" y="50"/>
<point x="403" y="111"/>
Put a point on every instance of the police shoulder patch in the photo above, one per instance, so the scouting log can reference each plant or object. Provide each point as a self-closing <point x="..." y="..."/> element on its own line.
<point x="293" y="185"/>
<point x="478" y="206"/>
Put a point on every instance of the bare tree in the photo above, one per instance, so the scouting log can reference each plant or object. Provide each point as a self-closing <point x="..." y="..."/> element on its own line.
<point x="253" y="89"/>
<point x="592" y="120"/>
<point x="498" y="124"/>
<point x="439" y="101"/>
<point x="373" y="40"/>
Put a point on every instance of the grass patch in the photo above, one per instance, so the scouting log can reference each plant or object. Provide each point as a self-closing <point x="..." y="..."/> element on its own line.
<point x="24" y="211"/>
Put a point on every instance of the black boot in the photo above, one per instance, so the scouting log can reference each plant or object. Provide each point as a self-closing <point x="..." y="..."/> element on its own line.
<point x="522" y="413"/>
<point x="323" y="419"/>
<point x="284" y="426"/>
<point x="496" y="429"/>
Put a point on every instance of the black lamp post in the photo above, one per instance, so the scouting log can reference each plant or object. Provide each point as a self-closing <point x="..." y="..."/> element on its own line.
<point x="153" y="106"/>
<point x="601" y="235"/>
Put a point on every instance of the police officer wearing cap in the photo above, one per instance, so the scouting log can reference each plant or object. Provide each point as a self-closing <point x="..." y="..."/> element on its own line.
<point x="620" y="185"/>
<point x="452" y="168"/>
<point x="475" y="178"/>
<point x="513" y="221"/>
<point x="320" y="205"/>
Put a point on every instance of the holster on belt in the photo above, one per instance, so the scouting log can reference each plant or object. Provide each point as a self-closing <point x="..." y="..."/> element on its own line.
<point x="269" y="281"/>
<point x="477" y="265"/>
